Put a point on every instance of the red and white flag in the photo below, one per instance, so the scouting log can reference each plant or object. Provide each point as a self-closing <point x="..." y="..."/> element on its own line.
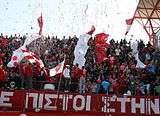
<point x="129" y="23"/>
<point x="57" y="70"/>
<point x="40" y="23"/>
<point x="18" y="54"/>
<point x="16" y="58"/>
<point x="32" y="58"/>
<point x="21" y="53"/>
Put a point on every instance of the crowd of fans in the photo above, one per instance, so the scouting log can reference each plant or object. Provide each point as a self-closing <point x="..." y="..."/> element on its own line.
<point x="117" y="74"/>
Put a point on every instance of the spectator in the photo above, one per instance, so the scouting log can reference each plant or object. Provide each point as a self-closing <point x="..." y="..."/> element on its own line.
<point x="119" y="67"/>
<point x="105" y="86"/>
<point x="28" y="75"/>
<point x="76" y="74"/>
<point x="3" y="76"/>
<point x="82" y="80"/>
<point x="67" y="78"/>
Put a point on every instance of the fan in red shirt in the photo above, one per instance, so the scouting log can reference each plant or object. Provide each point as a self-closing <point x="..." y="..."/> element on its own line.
<point x="3" y="76"/>
<point x="28" y="74"/>
<point x="76" y="74"/>
<point x="1" y="61"/>
<point x="36" y="70"/>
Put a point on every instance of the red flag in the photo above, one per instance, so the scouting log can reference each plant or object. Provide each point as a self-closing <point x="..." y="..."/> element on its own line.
<point x="101" y="45"/>
<point x="129" y="23"/>
<point x="40" y="23"/>
<point x="92" y="30"/>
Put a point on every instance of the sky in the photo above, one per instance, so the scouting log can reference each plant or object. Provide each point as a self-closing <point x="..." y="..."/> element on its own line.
<point x="70" y="17"/>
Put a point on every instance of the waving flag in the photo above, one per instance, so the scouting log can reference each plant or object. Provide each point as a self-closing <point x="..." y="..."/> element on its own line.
<point x="129" y="24"/>
<point x="21" y="53"/>
<point x="18" y="54"/>
<point x="32" y="58"/>
<point x="101" y="45"/>
<point x="134" y="47"/>
<point x="57" y="70"/>
<point x="82" y="47"/>
<point x="40" y="23"/>
<point x="31" y="39"/>
<point x="16" y="58"/>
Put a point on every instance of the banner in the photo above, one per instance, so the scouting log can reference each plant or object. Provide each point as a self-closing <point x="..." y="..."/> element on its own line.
<point x="50" y="101"/>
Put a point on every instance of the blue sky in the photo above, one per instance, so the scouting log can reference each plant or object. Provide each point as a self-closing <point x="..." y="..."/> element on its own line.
<point x="69" y="17"/>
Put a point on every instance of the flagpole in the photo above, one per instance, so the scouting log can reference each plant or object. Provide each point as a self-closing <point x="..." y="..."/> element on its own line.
<point x="58" y="89"/>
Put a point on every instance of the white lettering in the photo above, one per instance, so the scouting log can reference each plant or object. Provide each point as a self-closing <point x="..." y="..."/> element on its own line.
<point x="155" y="106"/>
<point x="88" y="103"/>
<point x="4" y="98"/>
<point x="47" y="98"/>
<point x="26" y="102"/>
<point x="81" y="107"/>
<point x="123" y="103"/>
<point x="140" y="105"/>
<point x="64" y="101"/>
<point x="106" y="107"/>
<point x="40" y="101"/>
<point x="35" y="99"/>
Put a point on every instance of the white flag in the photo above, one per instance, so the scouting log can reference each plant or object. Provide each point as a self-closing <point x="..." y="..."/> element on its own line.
<point x="134" y="47"/>
<point x="81" y="49"/>
<point x="57" y="70"/>
<point x="31" y="38"/>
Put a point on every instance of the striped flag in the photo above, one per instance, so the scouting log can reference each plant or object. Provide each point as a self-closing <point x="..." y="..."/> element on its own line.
<point x="129" y="24"/>
<point x="32" y="58"/>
